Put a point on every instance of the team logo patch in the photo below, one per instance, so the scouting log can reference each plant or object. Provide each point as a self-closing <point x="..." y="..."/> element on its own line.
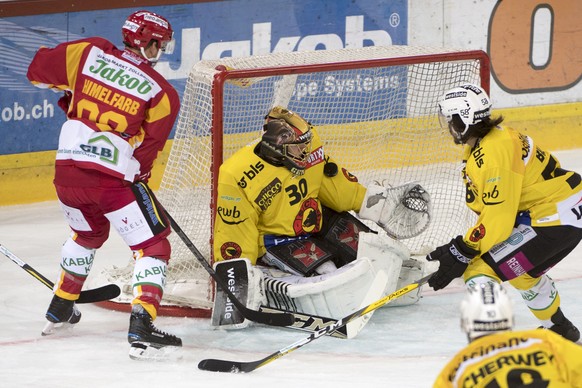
<point x="349" y="176"/>
<point x="308" y="218"/>
<point x="230" y="250"/>
<point x="478" y="233"/>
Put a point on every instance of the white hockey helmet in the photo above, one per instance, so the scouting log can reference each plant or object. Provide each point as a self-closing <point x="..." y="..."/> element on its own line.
<point x="462" y="107"/>
<point x="486" y="309"/>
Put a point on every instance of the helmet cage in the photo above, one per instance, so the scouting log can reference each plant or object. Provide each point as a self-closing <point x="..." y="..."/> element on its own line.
<point x="143" y="27"/>
<point x="286" y="145"/>
<point x="470" y="104"/>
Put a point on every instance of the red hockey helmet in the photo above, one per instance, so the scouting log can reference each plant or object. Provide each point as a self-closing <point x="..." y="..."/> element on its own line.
<point x="142" y="27"/>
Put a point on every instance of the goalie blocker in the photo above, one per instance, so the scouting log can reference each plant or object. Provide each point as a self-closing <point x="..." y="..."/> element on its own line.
<point x="369" y="266"/>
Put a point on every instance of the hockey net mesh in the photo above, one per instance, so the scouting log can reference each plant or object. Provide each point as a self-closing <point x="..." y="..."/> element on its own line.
<point x="375" y="109"/>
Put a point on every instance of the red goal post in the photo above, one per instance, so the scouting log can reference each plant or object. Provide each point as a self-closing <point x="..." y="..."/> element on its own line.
<point x="375" y="109"/>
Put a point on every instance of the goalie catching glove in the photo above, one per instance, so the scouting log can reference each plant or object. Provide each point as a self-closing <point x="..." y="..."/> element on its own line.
<point x="453" y="259"/>
<point x="402" y="211"/>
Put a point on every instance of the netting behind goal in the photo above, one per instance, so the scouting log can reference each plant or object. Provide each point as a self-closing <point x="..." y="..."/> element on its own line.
<point x="375" y="109"/>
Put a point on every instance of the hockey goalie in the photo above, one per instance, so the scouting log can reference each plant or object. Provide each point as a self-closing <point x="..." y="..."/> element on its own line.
<point x="289" y="233"/>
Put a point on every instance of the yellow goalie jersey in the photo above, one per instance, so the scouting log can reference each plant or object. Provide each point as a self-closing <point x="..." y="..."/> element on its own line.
<point x="532" y="358"/>
<point x="506" y="173"/>
<point x="256" y="199"/>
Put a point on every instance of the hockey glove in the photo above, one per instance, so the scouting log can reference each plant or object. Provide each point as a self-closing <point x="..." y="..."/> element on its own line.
<point x="453" y="259"/>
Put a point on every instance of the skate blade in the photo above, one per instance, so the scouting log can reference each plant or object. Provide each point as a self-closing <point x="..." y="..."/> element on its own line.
<point x="144" y="351"/>
<point x="51" y="328"/>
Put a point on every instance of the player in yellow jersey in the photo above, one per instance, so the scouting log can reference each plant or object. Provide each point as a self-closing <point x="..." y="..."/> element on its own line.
<point x="282" y="225"/>
<point x="529" y="209"/>
<point x="499" y="357"/>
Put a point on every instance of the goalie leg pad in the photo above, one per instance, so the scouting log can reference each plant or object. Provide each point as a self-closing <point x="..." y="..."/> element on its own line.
<point x="385" y="254"/>
<point x="246" y="283"/>
<point x="412" y="270"/>
<point x="332" y="295"/>
<point x="393" y="257"/>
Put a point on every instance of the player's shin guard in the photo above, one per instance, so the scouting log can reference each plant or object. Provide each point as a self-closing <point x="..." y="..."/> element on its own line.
<point x="76" y="264"/>
<point x="543" y="300"/>
<point x="149" y="278"/>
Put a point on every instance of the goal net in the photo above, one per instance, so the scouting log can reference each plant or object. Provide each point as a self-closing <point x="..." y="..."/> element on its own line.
<point x="375" y="109"/>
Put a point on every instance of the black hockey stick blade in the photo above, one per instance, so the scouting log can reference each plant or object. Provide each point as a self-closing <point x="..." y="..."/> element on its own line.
<point x="99" y="294"/>
<point x="271" y="319"/>
<point x="215" y="365"/>
<point x="310" y="323"/>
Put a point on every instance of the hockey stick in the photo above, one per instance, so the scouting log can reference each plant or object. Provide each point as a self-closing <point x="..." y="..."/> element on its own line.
<point x="215" y="365"/>
<point x="272" y="319"/>
<point x="100" y="294"/>
<point x="310" y="323"/>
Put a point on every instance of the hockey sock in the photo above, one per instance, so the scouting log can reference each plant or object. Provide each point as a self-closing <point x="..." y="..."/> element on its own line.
<point x="543" y="300"/>
<point x="149" y="277"/>
<point x="76" y="264"/>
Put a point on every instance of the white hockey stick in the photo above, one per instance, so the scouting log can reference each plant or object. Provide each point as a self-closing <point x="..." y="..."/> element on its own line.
<point x="100" y="294"/>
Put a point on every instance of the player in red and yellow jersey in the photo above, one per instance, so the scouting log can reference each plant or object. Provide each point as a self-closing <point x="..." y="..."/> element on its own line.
<point x="529" y="209"/>
<point x="499" y="357"/>
<point x="120" y="113"/>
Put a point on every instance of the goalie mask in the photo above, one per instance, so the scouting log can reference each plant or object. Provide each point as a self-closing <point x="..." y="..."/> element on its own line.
<point x="463" y="107"/>
<point x="286" y="144"/>
<point x="486" y="309"/>
<point x="144" y="27"/>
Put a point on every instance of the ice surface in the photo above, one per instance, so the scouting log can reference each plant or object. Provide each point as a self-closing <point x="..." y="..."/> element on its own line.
<point x="400" y="347"/>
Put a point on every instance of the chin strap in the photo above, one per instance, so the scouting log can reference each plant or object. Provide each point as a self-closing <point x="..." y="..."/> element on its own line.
<point x="154" y="60"/>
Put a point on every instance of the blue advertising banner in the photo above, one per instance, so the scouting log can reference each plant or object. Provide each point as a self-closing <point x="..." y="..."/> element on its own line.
<point x="30" y="118"/>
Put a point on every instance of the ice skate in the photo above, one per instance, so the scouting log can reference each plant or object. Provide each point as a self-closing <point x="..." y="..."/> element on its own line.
<point x="61" y="314"/>
<point x="563" y="326"/>
<point x="147" y="341"/>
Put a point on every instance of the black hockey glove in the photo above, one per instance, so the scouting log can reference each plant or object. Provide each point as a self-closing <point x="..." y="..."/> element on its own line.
<point x="453" y="259"/>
